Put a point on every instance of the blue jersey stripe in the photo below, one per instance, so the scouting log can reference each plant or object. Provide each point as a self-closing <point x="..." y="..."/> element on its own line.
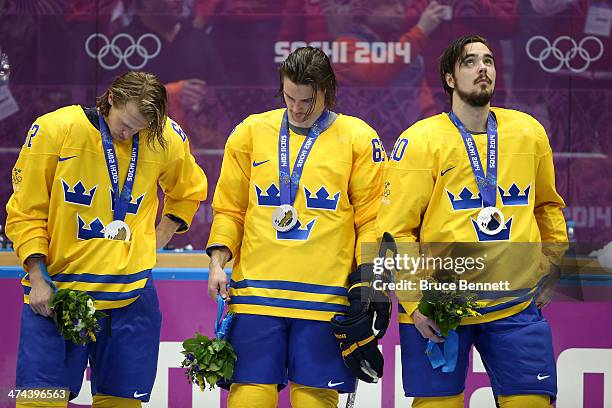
<point x="92" y="278"/>
<point x="485" y="310"/>
<point x="295" y="286"/>
<point x="498" y="294"/>
<point x="506" y="305"/>
<point x="289" y="303"/>
<point x="11" y="272"/>
<point x="111" y="296"/>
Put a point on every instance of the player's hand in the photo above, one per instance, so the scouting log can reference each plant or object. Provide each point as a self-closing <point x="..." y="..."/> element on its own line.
<point x="40" y="295"/>
<point x="427" y="327"/>
<point x="41" y="291"/>
<point x="360" y="293"/>
<point x="381" y="304"/>
<point x="363" y="297"/>
<point x="217" y="278"/>
<point x="359" y="348"/>
<point x="431" y="17"/>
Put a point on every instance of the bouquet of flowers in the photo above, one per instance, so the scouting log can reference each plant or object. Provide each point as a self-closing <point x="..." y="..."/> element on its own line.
<point x="75" y="315"/>
<point x="446" y="308"/>
<point x="210" y="360"/>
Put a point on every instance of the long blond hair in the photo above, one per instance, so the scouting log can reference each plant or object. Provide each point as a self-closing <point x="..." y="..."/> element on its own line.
<point x="149" y="95"/>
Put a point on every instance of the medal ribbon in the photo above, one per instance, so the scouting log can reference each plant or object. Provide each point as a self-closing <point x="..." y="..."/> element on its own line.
<point x="122" y="200"/>
<point x="289" y="183"/>
<point x="222" y="324"/>
<point x="45" y="275"/>
<point x="487" y="184"/>
<point x="444" y="355"/>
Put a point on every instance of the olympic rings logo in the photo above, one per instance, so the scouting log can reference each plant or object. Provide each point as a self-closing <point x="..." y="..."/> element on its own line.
<point x="123" y="56"/>
<point x="570" y="58"/>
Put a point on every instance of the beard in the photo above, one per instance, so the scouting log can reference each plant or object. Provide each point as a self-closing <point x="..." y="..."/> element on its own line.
<point x="476" y="99"/>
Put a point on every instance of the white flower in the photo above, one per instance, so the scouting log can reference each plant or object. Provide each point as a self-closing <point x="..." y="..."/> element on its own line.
<point x="91" y="309"/>
<point x="79" y="326"/>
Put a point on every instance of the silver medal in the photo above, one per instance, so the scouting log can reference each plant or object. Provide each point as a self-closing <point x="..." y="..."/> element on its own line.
<point x="284" y="218"/>
<point x="490" y="220"/>
<point x="117" y="231"/>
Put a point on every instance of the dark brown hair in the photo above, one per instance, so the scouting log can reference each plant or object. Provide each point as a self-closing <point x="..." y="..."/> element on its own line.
<point x="310" y="66"/>
<point x="149" y="95"/>
<point x="456" y="52"/>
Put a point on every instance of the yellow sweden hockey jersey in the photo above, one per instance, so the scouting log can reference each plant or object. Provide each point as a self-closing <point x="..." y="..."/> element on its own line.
<point x="431" y="196"/>
<point x="302" y="273"/>
<point x="62" y="202"/>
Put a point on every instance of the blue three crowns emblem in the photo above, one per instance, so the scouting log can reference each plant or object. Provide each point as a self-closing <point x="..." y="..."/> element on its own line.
<point x="468" y="200"/>
<point x="320" y="199"/>
<point x="80" y="195"/>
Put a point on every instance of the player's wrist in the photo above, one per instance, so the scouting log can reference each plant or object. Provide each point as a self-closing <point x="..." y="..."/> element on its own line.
<point x="219" y="256"/>
<point x="36" y="279"/>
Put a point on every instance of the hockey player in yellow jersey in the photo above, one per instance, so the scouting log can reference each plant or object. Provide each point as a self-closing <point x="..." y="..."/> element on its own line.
<point x="295" y="237"/>
<point x="83" y="217"/>
<point x="482" y="178"/>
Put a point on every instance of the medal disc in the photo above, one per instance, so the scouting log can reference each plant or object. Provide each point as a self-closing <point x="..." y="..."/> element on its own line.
<point x="284" y="218"/>
<point x="490" y="220"/>
<point x="117" y="231"/>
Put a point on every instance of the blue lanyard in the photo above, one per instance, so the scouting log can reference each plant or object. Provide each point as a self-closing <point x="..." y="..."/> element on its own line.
<point x="444" y="354"/>
<point x="289" y="183"/>
<point x="122" y="200"/>
<point x="487" y="185"/>
<point x="222" y="324"/>
<point x="45" y="275"/>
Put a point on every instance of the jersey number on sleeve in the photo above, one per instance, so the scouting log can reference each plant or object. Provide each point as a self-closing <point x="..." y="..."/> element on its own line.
<point x="378" y="151"/>
<point x="399" y="149"/>
<point x="178" y="130"/>
<point x="31" y="134"/>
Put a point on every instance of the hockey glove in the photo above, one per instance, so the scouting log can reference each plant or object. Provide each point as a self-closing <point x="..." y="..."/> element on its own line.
<point x="366" y="296"/>
<point x="359" y="346"/>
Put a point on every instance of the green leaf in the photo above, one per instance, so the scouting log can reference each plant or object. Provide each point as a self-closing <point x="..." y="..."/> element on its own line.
<point x="228" y="371"/>
<point x="426" y="308"/>
<point x="453" y="326"/>
<point x="454" y="321"/>
<point x="217" y="344"/>
<point x="215" y="359"/>
<point x="212" y="380"/>
<point x="190" y="343"/>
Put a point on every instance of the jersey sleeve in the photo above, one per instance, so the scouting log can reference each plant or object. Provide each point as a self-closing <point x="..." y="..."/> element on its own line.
<point x="32" y="178"/>
<point x="549" y="204"/>
<point x="408" y="187"/>
<point x="364" y="190"/>
<point x="183" y="182"/>
<point x="231" y="197"/>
